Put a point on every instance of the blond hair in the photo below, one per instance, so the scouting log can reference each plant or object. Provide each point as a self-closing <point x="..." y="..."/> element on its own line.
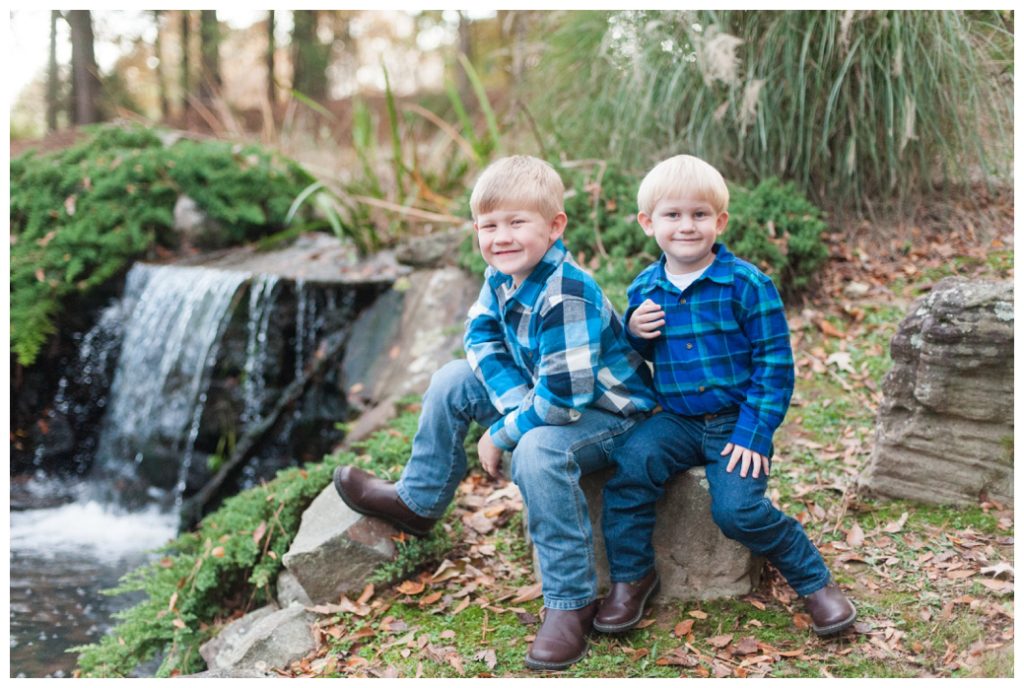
<point x="683" y="176"/>
<point x="518" y="182"/>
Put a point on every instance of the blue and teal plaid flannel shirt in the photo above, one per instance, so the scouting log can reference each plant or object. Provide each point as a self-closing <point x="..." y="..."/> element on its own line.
<point x="725" y="343"/>
<point x="550" y="348"/>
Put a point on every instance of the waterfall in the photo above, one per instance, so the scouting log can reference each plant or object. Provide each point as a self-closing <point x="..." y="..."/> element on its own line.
<point x="82" y="389"/>
<point x="262" y="298"/>
<point x="168" y="350"/>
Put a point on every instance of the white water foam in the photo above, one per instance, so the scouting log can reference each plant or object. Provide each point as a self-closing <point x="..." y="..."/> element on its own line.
<point x="104" y="532"/>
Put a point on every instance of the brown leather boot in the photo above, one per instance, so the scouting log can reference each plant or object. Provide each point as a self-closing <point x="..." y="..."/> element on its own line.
<point x="371" y="496"/>
<point x="562" y="638"/>
<point x="830" y="610"/>
<point x="624" y="606"/>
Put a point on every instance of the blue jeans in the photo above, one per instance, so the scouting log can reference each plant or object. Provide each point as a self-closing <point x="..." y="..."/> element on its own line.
<point x="666" y="444"/>
<point x="546" y="465"/>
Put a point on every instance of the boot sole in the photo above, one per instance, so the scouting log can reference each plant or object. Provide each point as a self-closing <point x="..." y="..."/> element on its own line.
<point x="836" y="627"/>
<point x="540" y="665"/>
<point x="375" y="514"/>
<point x="625" y="626"/>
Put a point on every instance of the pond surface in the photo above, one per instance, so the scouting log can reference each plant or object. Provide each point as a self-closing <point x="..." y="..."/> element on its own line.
<point x="61" y="558"/>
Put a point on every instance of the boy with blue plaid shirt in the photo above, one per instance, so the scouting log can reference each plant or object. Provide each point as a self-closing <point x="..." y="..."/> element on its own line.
<point x="715" y="329"/>
<point x="549" y="373"/>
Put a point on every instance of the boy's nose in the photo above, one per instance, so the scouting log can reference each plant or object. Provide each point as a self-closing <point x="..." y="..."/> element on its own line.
<point x="503" y="234"/>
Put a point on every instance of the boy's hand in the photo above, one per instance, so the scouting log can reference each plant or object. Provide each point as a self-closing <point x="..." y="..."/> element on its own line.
<point x="747" y="457"/>
<point x="490" y="455"/>
<point x="646" y="320"/>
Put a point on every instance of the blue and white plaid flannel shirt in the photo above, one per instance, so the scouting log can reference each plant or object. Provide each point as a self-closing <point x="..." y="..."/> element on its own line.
<point x="725" y="343"/>
<point x="550" y="348"/>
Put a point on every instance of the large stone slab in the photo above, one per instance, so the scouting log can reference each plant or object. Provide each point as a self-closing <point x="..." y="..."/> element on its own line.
<point x="410" y="332"/>
<point x="262" y="640"/>
<point x="944" y="432"/>
<point x="694" y="559"/>
<point x="336" y="549"/>
<point x="289" y="590"/>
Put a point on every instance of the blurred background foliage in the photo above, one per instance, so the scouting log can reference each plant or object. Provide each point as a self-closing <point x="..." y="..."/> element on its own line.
<point x="378" y="123"/>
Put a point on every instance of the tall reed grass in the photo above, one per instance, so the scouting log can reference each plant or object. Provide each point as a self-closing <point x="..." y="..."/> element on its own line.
<point x="851" y="105"/>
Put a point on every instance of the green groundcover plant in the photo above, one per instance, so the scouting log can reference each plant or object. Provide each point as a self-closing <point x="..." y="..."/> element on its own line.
<point x="81" y="216"/>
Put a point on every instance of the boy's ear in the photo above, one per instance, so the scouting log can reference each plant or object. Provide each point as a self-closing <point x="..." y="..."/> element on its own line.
<point x="558" y="223"/>
<point x="721" y="222"/>
<point x="646" y="222"/>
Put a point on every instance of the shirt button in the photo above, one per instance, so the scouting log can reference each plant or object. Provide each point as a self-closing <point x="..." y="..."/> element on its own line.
<point x="689" y="345"/>
<point x="701" y="389"/>
<point x="682" y="300"/>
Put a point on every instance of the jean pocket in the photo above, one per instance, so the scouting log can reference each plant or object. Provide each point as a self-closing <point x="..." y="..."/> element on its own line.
<point x="723" y="422"/>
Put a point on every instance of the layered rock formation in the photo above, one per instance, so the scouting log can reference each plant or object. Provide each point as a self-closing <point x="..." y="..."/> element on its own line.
<point x="945" y="427"/>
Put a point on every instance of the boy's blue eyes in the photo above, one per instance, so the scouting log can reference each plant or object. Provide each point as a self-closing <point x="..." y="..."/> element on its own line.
<point x="700" y="215"/>
<point x="514" y="223"/>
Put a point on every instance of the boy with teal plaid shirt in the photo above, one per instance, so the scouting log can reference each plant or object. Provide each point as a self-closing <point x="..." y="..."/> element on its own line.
<point x="549" y="373"/>
<point x="715" y="330"/>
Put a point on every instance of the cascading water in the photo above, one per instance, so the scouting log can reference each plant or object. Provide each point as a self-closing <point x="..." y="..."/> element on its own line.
<point x="262" y="297"/>
<point x="167" y="328"/>
<point x="187" y="357"/>
<point x="167" y="354"/>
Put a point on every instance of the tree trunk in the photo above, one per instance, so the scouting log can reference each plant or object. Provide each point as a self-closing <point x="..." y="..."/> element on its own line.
<point x="271" y="47"/>
<point x="185" y="85"/>
<point x="309" y="56"/>
<point x="52" y="78"/>
<point x="209" y="37"/>
<point x="85" y="80"/>
<point x="161" y="82"/>
<point x="466" y="48"/>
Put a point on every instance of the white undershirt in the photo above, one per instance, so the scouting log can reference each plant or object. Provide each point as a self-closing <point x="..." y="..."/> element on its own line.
<point x="686" y="279"/>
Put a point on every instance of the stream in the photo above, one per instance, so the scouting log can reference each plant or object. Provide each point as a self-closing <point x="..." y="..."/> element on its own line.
<point x="61" y="558"/>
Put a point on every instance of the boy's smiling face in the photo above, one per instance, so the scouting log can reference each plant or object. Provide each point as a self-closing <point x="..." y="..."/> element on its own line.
<point x="514" y="241"/>
<point x="686" y="230"/>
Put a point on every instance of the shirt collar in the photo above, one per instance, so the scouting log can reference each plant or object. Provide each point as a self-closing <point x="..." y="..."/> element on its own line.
<point x="534" y="283"/>
<point x="720" y="270"/>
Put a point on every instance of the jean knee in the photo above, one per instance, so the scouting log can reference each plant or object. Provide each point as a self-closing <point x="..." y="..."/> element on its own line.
<point x="450" y="377"/>
<point x="535" y="456"/>
<point x="737" y="521"/>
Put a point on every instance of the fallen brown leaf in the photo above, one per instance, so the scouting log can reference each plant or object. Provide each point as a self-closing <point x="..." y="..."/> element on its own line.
<point x="746" y="646"/>
<point x="829" y="329"/>
<point x="366" y="594"/>
<point x="683" y="628"/>
<point x="488" y="657"/>
<point x="720" y="641"/>
<point x="433" y="597"/>
<point x="526" y="618"/>
<point x="698" y="614"/>
<point x="855" y="536"/>
<point x="410" y="587"/>
<point x="456" y="662"/>
<point x="962" y="573"/>
<point x="527" y="593"/>
<point x="897" y="525"/>
<point x="677" y="657"/>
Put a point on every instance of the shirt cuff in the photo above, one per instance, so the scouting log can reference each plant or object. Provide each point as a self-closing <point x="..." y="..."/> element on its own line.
<point x="504" y="435"/>
<point x="753" y="435"/>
